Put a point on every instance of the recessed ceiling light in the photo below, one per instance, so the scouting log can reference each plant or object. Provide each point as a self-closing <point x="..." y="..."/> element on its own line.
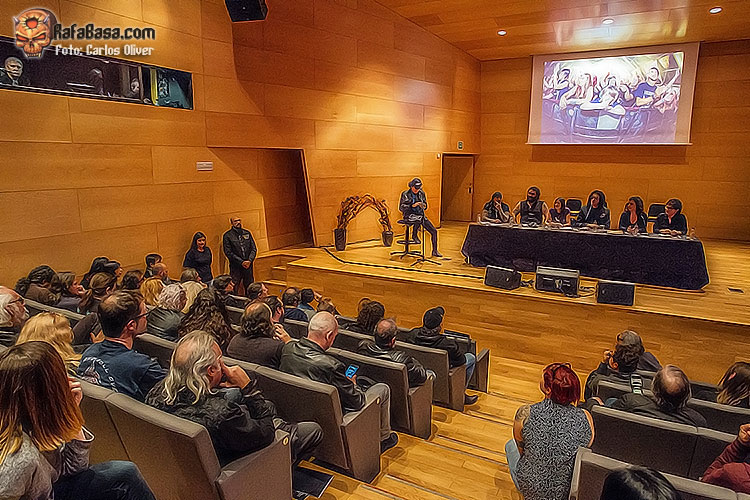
<point x="715" y="10"/>
<point x="502" y="32"/>
<point x="607" y="20"/>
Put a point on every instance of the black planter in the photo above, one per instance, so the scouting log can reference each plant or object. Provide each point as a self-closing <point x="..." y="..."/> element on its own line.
<point x="339" y="238"/>
<point x="387" y="238"/>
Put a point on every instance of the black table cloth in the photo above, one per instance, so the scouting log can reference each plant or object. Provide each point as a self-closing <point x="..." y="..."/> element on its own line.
<point x="651" y="260"/>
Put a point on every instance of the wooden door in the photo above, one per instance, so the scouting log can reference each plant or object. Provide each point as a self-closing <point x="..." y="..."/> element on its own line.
<point x="458" y="187"/>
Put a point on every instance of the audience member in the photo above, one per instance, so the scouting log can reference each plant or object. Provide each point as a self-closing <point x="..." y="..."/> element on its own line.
<point x="240" y="250"/>
<point x="671" y="389"/>
<point x="223" y="399"/>
<point x="260" y="341"/>
<point x="734" y="387"/>
<point x="69" y="291"/>
<point x="192" y="284"/>
<point x="209" y="315"/>
<point x="647" y="361"/>
<point x="306" y="296"/>
<point x="290" y="299"/>
<point x="257" y="292"/>
<point x="429" y="335"/>
<point x="672" y="221"/>
<point x="368" y="316"/>
<point x="638" y="483"/>
<point x="151" y="288"/>
<point x="132" y="280"/>
<point x="100" y="265"/>
<point x="44" y="448"/>
<point x="616" y="366"/>
<point x="731" y="469"/>
<point x="87" y="329"/>
<point x="13" y="314"/>
<point x="36" y="286"/>
<point x="546" y="437"/>
<point x="326" y="304"/>
<point x="307" y="358"/>
<point x="224" y="287"/>
<point x="277" y="308"/>
<point x="54" y="329"/>
<point x="383" y="348"/>
<point x="113" y="363"/>
<point x="162" y="272"/>
<point x="151" y="260"/>
<point x="199" y="257"/>
<point x="164" y="320"/>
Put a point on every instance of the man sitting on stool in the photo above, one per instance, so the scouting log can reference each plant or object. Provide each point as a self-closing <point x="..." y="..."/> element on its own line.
<point x="413" y="204"/>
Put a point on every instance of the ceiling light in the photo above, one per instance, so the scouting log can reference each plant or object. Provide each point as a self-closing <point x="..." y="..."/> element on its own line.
<point x="608" y="20"/>
<point x="502" y="32"/>
<point x="715" y="10"/>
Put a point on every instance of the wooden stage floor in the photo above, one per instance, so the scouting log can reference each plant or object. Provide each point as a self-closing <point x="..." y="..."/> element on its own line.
<point x="703" y="332"/>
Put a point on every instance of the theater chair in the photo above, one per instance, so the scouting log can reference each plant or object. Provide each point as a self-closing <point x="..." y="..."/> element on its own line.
<point x="155" y="347"/>
<point x="37" y="307"/>
<point x="449" y="384"/>
<point x="107" y="444"/>
<point x="235" y="315"/>
<point x="709" y="446"/>
<point x="177" y="458"/>
<point x="295" y="329"/>
<point x="350" y="441"/>
<point x="591" y="469"/>
<point x="411" y="408"/>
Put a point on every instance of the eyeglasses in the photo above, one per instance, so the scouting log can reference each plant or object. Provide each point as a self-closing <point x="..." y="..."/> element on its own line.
<point x="19" y="299"/>
<point x="136" y="318"/>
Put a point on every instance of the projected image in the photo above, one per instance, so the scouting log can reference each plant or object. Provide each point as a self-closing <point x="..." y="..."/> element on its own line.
<point x="625" y="99"/>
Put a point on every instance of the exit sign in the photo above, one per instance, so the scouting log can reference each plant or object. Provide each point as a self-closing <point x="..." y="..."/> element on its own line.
<point x="460" y="145"/>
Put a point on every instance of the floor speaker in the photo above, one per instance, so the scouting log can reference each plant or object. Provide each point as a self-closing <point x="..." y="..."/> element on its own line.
<point x="502" y="277"/>
<point x="615" y="292"/>
<point x="247" y="10"/>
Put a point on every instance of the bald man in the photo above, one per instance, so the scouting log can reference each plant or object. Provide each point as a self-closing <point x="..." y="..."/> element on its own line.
<point x="239" y="247"/>
<point x="13" y="314"/>
<point x="308" y="359"/>
<point x="161" y="271"/>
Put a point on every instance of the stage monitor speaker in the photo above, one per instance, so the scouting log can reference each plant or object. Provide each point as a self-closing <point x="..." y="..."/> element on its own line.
<point x="552" y="279"/>
<point x="615" y="292"/>
<point x="247" y="10"/>
<point x="502" y="277"/>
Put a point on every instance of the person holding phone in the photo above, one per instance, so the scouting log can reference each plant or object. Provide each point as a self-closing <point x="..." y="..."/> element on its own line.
<point x="308" y="359"/>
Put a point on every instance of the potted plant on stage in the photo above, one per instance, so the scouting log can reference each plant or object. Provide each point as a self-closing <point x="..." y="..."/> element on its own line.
<point x="352" y="206"/>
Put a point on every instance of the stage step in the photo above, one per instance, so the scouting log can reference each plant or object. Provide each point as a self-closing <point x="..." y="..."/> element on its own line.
<point x="275" y="287"/>
<point x="278" y="273"/>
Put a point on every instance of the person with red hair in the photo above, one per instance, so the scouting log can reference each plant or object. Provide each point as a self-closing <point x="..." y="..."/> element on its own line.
<point x="547" y="435"/>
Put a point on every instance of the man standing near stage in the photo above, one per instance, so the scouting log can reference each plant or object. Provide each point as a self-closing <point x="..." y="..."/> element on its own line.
<point x="413" y="204"/>
<point x="240" y="249"/>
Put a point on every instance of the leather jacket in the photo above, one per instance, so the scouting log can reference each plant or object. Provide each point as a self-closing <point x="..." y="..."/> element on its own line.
<point x="433" y="338"/>
<point x="164" y="323"/>
<point x="308" y="360"/>
<point x="416" y="372"/>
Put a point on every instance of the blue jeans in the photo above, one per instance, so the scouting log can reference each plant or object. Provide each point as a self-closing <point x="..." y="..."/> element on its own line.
<point x="513" y="456"/>
<point x="115" y="480"/>
<point x="471" y="361"/>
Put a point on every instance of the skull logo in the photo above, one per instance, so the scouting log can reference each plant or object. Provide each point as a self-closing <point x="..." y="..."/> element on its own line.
<point x="34" y="30"/>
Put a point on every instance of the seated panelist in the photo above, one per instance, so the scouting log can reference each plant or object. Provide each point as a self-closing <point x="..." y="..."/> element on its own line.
<point x="671" y="221"/>
<point x="595" y="213"/>
<point x="495" y="210"/>
<point x="633" y="219"/>
<point x="532" y="211"/>
<point x="559" y="213"/>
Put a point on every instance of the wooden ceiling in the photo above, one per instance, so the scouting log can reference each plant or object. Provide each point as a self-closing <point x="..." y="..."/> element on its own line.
<point x="551" y="26"/>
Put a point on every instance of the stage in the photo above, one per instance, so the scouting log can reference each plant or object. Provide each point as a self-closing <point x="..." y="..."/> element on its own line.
<point x="702" y="331"/>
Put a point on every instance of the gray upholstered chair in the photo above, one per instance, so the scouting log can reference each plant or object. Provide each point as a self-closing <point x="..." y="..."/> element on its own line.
<point x="37" y="307"/>
<point x="107" y="444"/>
<point x="661" y="445"/>
<point x="710" y="445"/>
<point x="720" y="417"/>
<point x="591" y="470"/>
<point x="235" y="315"/>
<point x="295" y="329"/>
<point x="155" y="347"/>
<point x="177" y="458"/>
<point x="411" y="408"/>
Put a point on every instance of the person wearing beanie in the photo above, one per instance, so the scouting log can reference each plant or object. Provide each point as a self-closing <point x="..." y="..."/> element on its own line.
<point x="412" y="205"/>
<point x="430" y="335"/>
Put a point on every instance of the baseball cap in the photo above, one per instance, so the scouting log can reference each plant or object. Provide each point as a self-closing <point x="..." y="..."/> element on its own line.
<point x="433" y="317"/>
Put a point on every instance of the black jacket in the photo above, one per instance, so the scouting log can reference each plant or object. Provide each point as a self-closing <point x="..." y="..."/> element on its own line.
<point x="639" y="404"/>
<point x="264" y="351"/>
<point x="603" y="372"/>
<point x="414" y="369"/>
<point x="201" y="262"/>
<point x="239" y="246"/>
<point x="295" y="314"/>
<point x="589" y="215"/>
<point x="679" y="223"/>
<point x="430" y="338"/>
<point x="408" y="198"/>
<point x="239" y="422"/>
<point x="8" y="336"/>
<point x="164" y="323"/>
<point x="308" y="360"/>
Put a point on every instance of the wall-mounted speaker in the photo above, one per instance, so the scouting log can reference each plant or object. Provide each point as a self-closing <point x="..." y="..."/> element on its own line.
<point x="247" y="10"/>
<point x="615" y="292"/>
<point x="502" y="277"/>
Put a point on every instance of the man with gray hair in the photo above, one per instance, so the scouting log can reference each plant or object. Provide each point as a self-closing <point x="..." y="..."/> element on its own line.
<point x="13" y="314"/>
<point x="307" y="358"/>
<point x="201" y="388"/>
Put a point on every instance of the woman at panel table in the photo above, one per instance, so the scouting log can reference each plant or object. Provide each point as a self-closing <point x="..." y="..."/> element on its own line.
<point x="633" y="219"/>
<point x="595" y="213"/>
<point x="671" y="221"/>
<point x="559" y="213"/>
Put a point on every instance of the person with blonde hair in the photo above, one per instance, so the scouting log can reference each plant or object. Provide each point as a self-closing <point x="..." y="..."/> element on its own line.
<point x="53" y="328"/>
<point x="150" y="289"/>
<point x="44" y="448"/>
<point x="164" y="320"/>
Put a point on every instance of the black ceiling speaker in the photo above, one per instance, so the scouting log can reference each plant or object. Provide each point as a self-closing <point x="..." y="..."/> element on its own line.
<point x="247" y="10"/>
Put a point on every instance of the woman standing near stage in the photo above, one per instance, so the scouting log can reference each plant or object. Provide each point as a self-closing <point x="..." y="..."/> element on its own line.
<point x="633" y="219"/>
<point x="199" y="258"/>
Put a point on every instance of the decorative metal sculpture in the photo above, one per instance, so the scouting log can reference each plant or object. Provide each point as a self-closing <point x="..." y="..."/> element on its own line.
<point x="351" y="207"/>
